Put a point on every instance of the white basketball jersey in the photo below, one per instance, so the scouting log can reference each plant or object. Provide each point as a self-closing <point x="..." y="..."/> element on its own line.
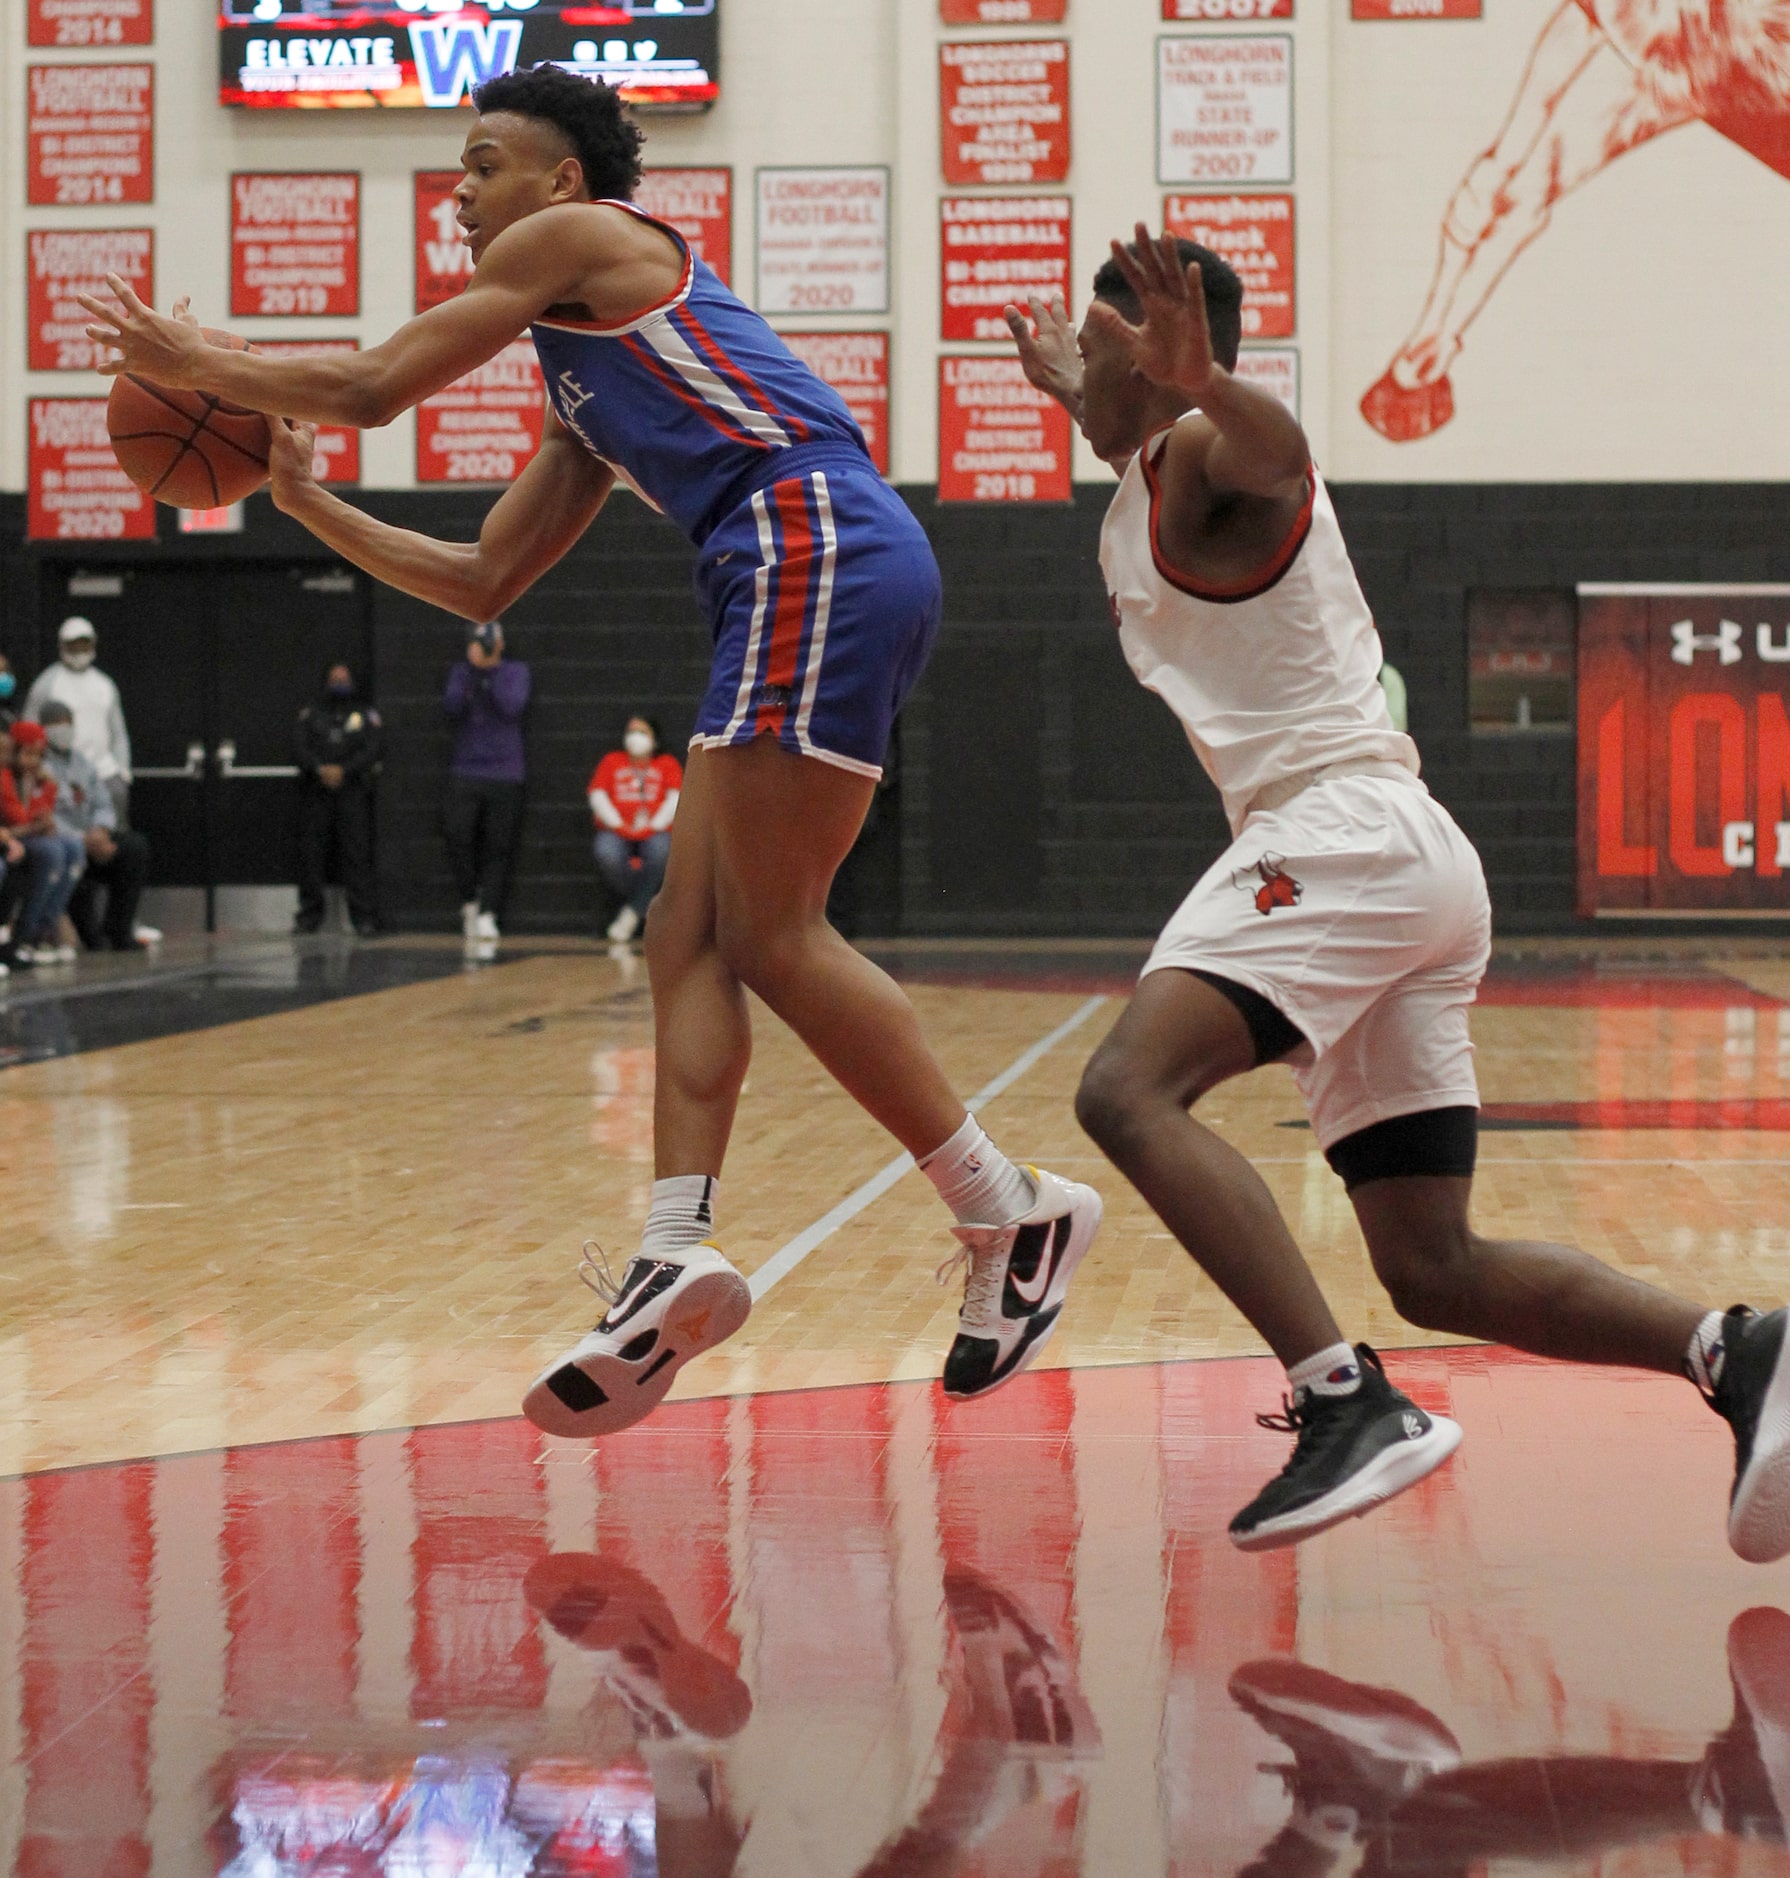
<point x="1271" y="677"/>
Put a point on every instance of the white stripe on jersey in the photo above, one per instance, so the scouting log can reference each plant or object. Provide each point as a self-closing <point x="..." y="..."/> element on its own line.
<point x="823" y="605"/>
<point x="767" y="559"/>
<point x="702" y="378"/>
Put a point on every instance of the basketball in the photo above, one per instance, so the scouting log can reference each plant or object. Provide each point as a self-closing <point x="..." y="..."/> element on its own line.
<point x="189" y="449"/>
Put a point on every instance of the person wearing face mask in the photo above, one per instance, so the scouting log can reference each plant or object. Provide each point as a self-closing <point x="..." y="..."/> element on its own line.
<point x="94" y="704"/>
<point x="9" y="684"/>
<point x="28" y="811"/>
<point x="633" y="798"/>
<point x="486" y="701"/>
<point x="116" y="859"/>
<point x="340" y="741"/>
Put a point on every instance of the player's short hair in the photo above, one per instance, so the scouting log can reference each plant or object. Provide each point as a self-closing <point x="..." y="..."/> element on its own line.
<point x="604" y="139"/>
<point x="1224" y="296"/>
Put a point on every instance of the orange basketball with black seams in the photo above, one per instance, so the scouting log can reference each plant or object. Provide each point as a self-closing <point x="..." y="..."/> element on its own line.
<point x="189" y="449"/>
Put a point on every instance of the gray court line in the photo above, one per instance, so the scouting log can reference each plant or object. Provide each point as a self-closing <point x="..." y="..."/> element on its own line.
<point x="784" y="1261"/>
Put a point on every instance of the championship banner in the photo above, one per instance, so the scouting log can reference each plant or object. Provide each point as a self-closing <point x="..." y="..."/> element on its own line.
<point x="335" y="455"/>
<point x="699" y="205"/>
<point x="856" y="365"/>
<point x="295" y="245"/>
<point x="997" y="249"/>
<point x="90" y="134"/>
<point x="1255" y="234"/>
<point x="1000" y="439"/>
<point x="90" y="23"/>
<point x="1002" y="12"/>
<point x="63" y="262"/>
<point x="1416" y="9"/>
<point x="485" y="427"/>
<point x="1004" y="111"/>
<point x="1224" y="109"/>
<point x="443" y="260"/>
<point x="823" y="241"/>
<point x="1684" y="750"/>
<point x="77" y="490"/>
<point x="1229" y="11"/>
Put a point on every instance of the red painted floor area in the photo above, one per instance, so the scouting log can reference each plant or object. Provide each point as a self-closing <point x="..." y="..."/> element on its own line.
<point x="862" y="1632"/>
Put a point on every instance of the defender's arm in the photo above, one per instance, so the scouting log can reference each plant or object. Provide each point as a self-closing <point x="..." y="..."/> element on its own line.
<point x="531" y="525"/>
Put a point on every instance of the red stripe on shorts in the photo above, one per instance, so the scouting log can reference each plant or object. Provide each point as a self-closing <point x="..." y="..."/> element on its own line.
<point x="795" y="575"/>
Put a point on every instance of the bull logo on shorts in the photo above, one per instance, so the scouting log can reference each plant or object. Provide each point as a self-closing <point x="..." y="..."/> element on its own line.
<point x="1270" y="884"/>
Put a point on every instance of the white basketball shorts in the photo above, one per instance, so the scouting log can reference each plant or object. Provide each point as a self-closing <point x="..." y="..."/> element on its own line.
<point x="1359" y="911"/>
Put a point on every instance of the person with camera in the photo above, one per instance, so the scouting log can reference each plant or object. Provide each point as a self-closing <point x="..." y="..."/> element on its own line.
<point x="487" y="697"/>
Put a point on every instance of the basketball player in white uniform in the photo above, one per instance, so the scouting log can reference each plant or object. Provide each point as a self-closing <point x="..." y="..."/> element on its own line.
<point x="1344" y="931"/>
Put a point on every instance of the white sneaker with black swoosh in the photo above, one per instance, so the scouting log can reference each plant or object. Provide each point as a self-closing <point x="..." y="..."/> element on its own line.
<point x="662" y="1313"/>
<point x="1016" y="1279"/>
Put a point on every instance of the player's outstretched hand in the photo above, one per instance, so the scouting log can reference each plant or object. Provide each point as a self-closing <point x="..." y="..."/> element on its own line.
<point x="151" y="345"/>
<point x="1047" y="350"/>
<point x="1173" y="346"/>
<point x="291" y="450"/>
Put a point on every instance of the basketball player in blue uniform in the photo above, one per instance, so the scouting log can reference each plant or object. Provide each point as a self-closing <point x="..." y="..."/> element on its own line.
<point x="823" y="597"/>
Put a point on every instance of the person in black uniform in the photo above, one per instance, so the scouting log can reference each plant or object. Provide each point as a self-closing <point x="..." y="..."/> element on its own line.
<point x="339" y="741"/>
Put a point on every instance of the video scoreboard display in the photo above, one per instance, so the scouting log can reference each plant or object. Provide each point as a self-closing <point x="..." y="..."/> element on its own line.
<point x="661" y="55"/>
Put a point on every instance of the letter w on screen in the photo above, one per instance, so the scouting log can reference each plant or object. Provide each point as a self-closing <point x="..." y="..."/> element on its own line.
<point x="454" y="55"/>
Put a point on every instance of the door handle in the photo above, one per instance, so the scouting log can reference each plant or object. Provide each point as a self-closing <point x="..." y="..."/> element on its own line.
<point x="228" y="766"/>
<point x="194" y="769"/>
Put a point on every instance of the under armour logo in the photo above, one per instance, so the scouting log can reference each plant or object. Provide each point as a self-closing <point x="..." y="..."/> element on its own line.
<point x="1687" y="642"/>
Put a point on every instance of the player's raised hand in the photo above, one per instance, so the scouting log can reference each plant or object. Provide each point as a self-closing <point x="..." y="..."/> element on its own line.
<point x="142" y="341"/>
<point x="291" y="453"/>
<point x="1047" y="350"/>
<point x="1173" y="346"/>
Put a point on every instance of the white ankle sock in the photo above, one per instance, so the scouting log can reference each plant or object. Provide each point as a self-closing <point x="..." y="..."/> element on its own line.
<point x="1707" y="1352"/>
<point x="1333" y="1371"/>
<point x="977" y="1181"/>
<point x="682" y="1215"/>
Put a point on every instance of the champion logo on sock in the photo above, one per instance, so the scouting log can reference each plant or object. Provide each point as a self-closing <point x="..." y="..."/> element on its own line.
<point x="1347" y="1373"/>
<point x="973" y="1165"/>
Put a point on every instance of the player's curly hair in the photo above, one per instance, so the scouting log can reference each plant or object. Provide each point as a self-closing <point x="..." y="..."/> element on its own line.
<point x="604" y="139"/>
<point x="1223" y="296"/>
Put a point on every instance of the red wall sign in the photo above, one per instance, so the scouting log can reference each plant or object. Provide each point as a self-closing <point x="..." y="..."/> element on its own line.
<point x="1684" y="749"/>
<point x="1227" y="10"/>
<point x="856" y="365"/>
<point x="78" y="492"/>
<point x="1004" y="111"/>
<point x="62" y="262"/>
<point x="483" y="428"/>
<point x="294" y="245"/>
<point x="1002" y="12"/>
<point x="336" y="458"/>
<point x="1255" y="234"/>
<point x="996" y="249"/>
<point x="443" y="260"/>
<point x="1000" y="440"/>
<point x="1416" y="9"/>
<point x="91" y="134"/>
<point x="91" y="23"/>
<point x="699" y="205"/>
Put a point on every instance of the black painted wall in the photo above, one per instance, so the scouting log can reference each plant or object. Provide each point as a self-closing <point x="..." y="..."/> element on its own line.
<point x="1037" y="789"/>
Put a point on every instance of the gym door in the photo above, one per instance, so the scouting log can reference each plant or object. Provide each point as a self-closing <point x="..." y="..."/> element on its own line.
<point x="214" y="663"/>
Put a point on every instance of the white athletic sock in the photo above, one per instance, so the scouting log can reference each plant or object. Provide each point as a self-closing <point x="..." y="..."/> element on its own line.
<point x="682" y="1215"/>
<point x="1335" y="1371"/>
<point x="977" y="1181"/>
<point x="1707" y="1353"/>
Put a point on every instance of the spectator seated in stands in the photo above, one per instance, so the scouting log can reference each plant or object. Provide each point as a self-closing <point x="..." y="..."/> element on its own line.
<point x="633" y="797"/>
<point x="28" y="809"/>
<point x="12" y="871"/>
<point x="116" y="859"/>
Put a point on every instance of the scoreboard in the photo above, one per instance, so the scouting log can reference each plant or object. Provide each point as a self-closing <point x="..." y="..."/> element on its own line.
<point x="661" y="55"/>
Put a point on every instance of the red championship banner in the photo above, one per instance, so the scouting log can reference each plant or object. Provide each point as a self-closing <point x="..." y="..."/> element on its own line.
<point x="699" y="205"/>
<point x="1684" y="750"/>
<point x="1416" y="9"/>
<point x="90" y="23"/>
<point x="63" y="262"/>
<point x="1255" y="234"/>
<point x="295" y="245"/>
<point x="1004" y="110"/>
<point x="336" y="456"/>
<point x="856" y="365"/>
<point x="485" y="427"/>
<point x="1000" y="440"/>
<point x="996" y="249"/>
<point x="1226" y="11"/>
<point x="90" y="134"/>
<point x="1003" y="12"/>
<point x="77" y="490"/>
<point x="443" y="260"/>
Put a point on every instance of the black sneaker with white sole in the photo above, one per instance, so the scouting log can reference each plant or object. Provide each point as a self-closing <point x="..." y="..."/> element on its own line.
<point x="1352" y="1453"/>
<point x="1017" y="1278"/>
<point x="1752" y="1394"/>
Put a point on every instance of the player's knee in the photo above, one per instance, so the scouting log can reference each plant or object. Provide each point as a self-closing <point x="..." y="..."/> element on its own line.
<point x="1429" y="1277"/>
<point x="1111" y="1100"/>
<point x="760" y="954"/>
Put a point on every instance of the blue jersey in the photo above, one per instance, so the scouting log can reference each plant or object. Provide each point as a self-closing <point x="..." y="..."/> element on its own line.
<point x="695" y="401"/>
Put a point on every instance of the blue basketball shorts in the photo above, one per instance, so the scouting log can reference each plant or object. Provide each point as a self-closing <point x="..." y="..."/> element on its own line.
<point x="823" y="597"/>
